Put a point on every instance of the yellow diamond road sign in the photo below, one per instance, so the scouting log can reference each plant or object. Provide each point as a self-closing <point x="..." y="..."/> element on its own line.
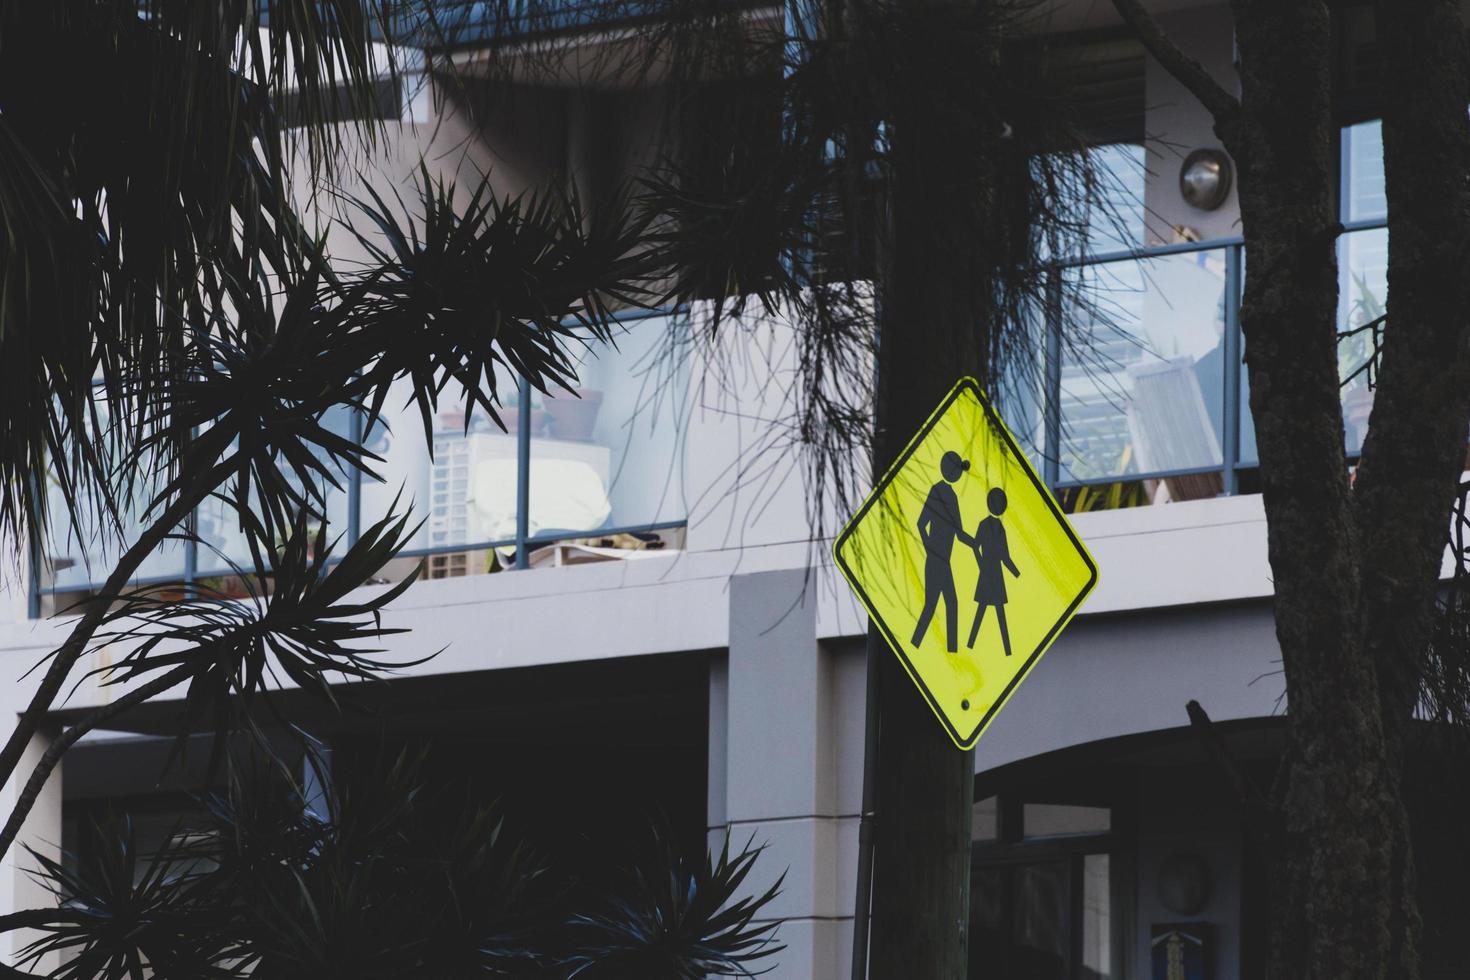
<point x="966" y="563"/>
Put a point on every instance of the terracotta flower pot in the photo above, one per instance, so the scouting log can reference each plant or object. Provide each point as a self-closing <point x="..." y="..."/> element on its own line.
<point x="511" y="416"/>
<point x="573" y="418"/>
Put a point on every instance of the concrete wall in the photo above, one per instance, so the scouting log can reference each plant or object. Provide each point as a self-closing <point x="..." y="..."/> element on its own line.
<point x="1175" y="124"/>
<point x="786" y="727"/>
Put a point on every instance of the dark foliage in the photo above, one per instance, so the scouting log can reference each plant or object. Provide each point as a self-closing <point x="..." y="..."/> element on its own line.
<point x="384" y="877"/>
<point x="297" y="624"/>
<point x="678" y="921"/>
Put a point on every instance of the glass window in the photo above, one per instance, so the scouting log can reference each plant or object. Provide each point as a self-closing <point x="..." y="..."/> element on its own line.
<point x="985" y="820"/>
<point x="1055" y="820"/>
<point x="1046" y="920"/>
<point x="607" y="455"/>
<point x="223" y="543"/>
<point x="464" y="491"/>
<point x="1040" y="934"/>
<point x="1142" y="374"/>
<point x="1118" y="223"/>
<point x="1362" y="298"/>
<point x="79" y="556"/>
<point x="605" y="462"/>
<point x="1097" y="917"/>
<point x="1363" y="193"/>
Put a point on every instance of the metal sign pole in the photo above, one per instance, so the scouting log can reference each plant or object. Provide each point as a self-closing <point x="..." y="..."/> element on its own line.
<point x="864" y="898"/>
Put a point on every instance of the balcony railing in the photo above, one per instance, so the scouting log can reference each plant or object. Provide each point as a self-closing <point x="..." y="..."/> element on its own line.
<point x="604" y="464"/>
<point x="1145" y="398"/>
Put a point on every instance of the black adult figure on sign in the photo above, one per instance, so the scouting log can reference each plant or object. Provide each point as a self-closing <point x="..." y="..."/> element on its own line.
<point x="939" y="525"/>
<point x="993" y="553"/>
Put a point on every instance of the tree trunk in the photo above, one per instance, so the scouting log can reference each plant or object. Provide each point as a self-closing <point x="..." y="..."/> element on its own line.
<point x="1340" y="811"/>
<point x="936" y="323"/>
<point x="1355" y="570"/>
<point x="1415" y="448"/>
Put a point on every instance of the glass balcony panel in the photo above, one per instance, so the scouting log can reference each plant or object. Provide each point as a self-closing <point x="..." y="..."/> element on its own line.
<point x="1118" y="222"/>
<point x="608" y="455"/>
<point x="80" y="556"/>
<point x="464" y="490"/>
<point x="1142" y="377"/>
<point x="223" y="546"/>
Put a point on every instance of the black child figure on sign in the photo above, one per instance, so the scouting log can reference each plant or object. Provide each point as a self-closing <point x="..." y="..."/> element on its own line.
<point x="939" y="525"/>
<point x="993" y="553"/>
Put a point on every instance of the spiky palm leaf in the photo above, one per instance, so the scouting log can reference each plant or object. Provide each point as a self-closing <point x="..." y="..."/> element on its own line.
<point x="127" y="180"/>
<point x="677" y="920"/>
<point x="297" y="624"/>
<point x="125" y="914"/>
<point x="461" y="289"/>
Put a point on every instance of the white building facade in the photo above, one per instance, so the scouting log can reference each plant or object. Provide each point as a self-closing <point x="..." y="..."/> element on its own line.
<point x="677" y="636"/>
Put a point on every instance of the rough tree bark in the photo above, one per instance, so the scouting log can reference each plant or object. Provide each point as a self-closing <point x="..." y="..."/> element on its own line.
<point x="1415" y="447"/>
<point x="1340" y="904"/>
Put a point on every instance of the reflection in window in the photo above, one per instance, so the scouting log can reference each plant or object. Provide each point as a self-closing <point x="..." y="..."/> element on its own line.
<point x="222" y="541"/>
<point x="1361" y="299"/>
<point x="78" y="557"/>
<point x="1118" y="223"/>
<point x="607" y="455"/>
<point x="1032" y="921"/>
<point x="1097" y="917"/>
<point x="1363" y="193"/>
<point x="1142" y="374"/>
<point x="464" y="491"/>
<point x="1042" y="893"/>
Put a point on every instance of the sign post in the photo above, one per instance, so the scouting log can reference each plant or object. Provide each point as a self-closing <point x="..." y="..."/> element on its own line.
<point x="969" y="570"/>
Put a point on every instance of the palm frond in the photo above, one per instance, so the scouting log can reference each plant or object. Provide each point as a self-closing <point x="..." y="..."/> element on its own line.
<point x="299" y="624"/>
<point x="122" y="913"/>
<point x="680" y="922"/>
<point x="465" y="289"/>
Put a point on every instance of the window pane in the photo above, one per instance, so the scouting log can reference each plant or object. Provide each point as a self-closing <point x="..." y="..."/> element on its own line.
<point x="84" y="554"/>
<point x="984" y="820"/>
<point x="1097" y="918"/>
<point x="222" y="542"/>
<point x="607" y="457"/>
<point x="1054" y="820"/>
<point x="1117" y="224"/>
<point x="1363" y="196"/>
<point x="465" y="492"/>
<point x="1041" y="940"/>
<point x="1362" y="298"/>
<point x="1142" y="385"/>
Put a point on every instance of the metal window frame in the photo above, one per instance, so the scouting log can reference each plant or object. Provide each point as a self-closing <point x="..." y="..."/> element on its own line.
<point x="523" y="541"/>
<point x="1232" y="342"/>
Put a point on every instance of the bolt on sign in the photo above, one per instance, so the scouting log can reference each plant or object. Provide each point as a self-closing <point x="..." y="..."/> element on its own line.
<point x="965" y="562"/>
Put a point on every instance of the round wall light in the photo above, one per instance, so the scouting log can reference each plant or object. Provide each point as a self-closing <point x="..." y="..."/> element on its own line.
<point x="1204" y="179"/>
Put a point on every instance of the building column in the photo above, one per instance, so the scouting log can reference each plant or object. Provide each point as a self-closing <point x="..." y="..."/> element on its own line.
<point x="41" y="832"/>
<point x="785" y="766"/>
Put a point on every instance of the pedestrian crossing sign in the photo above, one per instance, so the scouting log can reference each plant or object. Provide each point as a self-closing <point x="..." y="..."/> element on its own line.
<point x="965" y="562"/>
